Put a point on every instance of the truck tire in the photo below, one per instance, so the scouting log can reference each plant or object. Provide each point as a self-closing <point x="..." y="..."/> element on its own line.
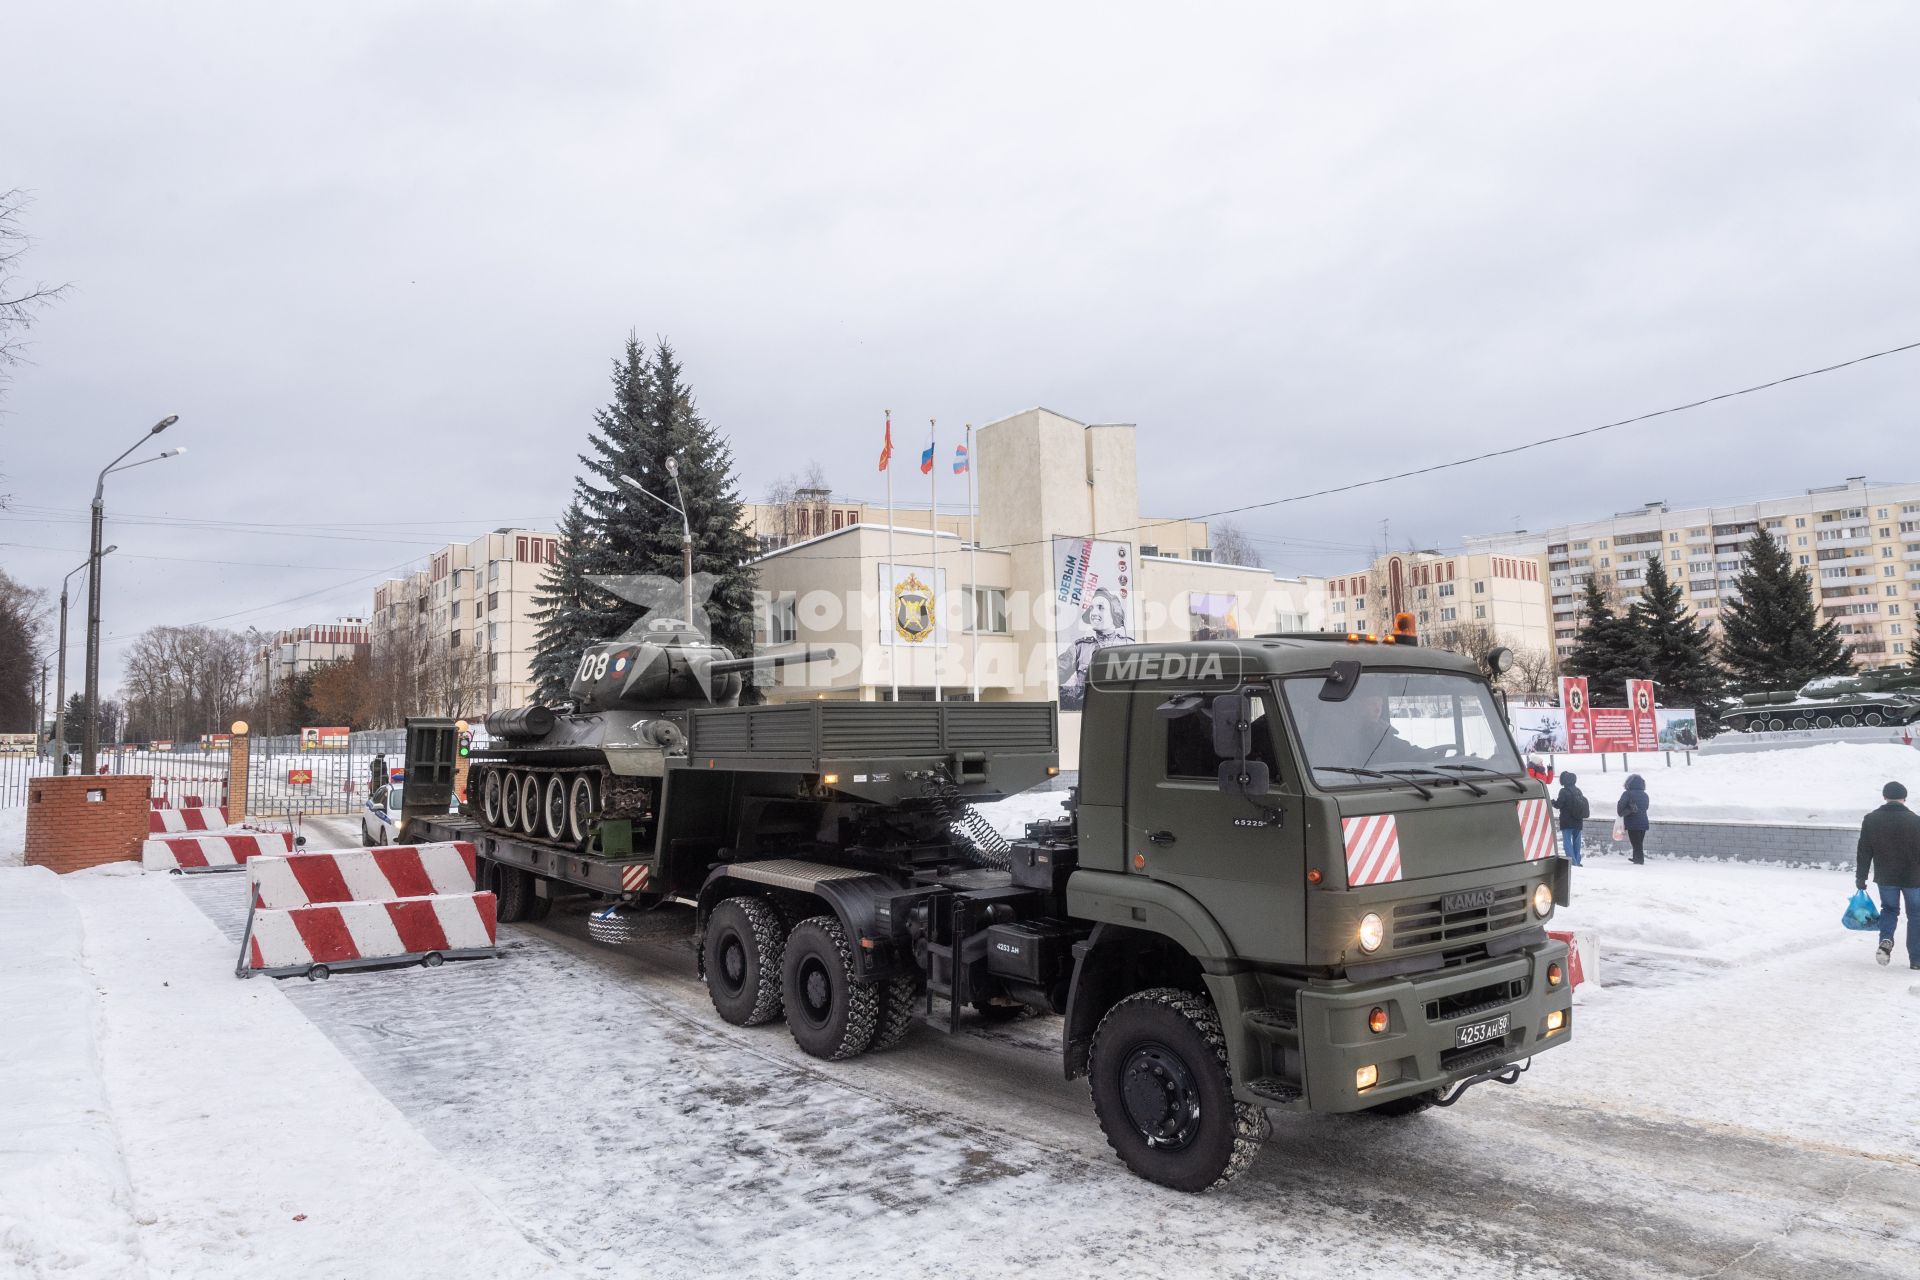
<point x="512" y="893"/>
<point x="831" y="1015"/>
<point x="899" y="1006"/>
<point x="741" y="957"/>
<point x="1411" y="1105"/>
<point x="1164" y="1094"/>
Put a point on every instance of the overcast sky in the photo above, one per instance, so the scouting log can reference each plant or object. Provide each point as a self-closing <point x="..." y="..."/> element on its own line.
<point x="379" y="256"/>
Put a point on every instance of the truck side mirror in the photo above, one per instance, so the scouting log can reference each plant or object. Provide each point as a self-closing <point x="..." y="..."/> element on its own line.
<point x="1232" y="715"/>
<point x="1247" y="777"/>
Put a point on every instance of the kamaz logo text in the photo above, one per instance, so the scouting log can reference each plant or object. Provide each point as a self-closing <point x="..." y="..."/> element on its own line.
<point x="1160" y="666"/>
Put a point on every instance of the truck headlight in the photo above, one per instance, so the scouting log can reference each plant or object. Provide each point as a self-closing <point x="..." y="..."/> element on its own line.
<point x="1373" y="931"/>
<point x="1542" y="899"/>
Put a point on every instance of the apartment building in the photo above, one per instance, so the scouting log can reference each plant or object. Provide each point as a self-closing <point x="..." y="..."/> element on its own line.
<point x="1499" y="595"/>
<point x="460" y="632"/>
<point x="1858" y="541"/>
<point x="300" y="650"/>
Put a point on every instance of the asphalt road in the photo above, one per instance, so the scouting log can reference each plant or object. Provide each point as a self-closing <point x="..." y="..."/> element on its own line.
<point x="1510" y="1182"/>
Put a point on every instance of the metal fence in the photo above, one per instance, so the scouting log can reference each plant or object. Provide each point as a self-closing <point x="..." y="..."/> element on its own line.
<point x="285" y="781"/>
<point x="179" y="777"/>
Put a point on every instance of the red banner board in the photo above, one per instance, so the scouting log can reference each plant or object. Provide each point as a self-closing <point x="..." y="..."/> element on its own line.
<point x="1573" y="701"/>
<point x="1645" y="724"/>
<point x="299" y="777"/>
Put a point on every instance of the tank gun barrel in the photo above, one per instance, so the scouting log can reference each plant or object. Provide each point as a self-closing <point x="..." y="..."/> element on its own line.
<point x="727" y="666"/>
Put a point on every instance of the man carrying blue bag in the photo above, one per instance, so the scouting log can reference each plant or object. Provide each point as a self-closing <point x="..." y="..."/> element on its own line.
<point x="1889" y="854"/>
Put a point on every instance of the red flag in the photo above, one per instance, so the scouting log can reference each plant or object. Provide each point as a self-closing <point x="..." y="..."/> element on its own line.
<point x="886" y="450"/>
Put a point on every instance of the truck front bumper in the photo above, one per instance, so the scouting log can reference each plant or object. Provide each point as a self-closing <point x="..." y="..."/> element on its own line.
<point x="1441" y="1028"/>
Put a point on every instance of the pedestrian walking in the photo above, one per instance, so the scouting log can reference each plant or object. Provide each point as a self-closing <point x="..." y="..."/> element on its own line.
<point x="1632" y="808"/>
<point x="1574" y="810"/>
<point x="1890" y="855"/>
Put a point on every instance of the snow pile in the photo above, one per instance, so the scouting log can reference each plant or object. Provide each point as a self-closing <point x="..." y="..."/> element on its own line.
<point x="1831" y="782"/>
<point x="65" y="1204"/>
<point x="158" y="1112"/>
<point x="1011" y="816"/>
<point x="13" y="837"/>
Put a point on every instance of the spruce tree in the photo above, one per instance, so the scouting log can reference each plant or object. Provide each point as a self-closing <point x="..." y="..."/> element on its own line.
<point x="1677" y="649"/>
<point x="563" y="612"/>
<point x="1607" y="650"/>
<point x="1772" y="637"/>
<point x="613" y="531"/>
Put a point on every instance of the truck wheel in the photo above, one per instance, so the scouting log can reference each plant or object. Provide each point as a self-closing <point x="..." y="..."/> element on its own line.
<point x="1164" y="1095"/>
<point x="899" y="1004"/>
<point x="741" y="955"/>
<point x="1411" y="1105"/>
<point x="512" y="893"/>
<point x="831" y="1016"/>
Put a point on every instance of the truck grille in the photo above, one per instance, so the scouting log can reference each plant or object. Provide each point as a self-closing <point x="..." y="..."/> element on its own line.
<point x="1421" y="924"/>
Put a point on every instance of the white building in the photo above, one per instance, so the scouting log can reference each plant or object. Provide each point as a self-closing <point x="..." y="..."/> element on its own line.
<point x="300" y="650"/>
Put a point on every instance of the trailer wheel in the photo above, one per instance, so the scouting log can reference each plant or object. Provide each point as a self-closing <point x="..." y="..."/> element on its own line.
<point x="1164" y="1094"/>
<point x="512" y="893"/>
<point x="1411" y="1105"/>
<point x="899" y="1003"/>
<point x="741" y="956"/>
<point x="830" y="1014"/>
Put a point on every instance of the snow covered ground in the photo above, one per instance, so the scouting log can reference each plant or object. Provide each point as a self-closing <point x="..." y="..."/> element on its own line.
<point x="1830" y="782"/>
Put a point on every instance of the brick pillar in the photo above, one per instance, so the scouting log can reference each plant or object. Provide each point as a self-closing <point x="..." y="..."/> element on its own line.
<point x="79" y="821"/>
<point x="237" y="751"/>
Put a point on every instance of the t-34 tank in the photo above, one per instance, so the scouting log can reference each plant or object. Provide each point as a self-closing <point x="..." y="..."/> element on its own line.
<point x="557" y="775"/>
<point x="1867" y="699"/>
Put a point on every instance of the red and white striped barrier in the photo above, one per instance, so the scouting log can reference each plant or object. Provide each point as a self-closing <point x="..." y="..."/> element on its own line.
<point x="165" y="822"/>
<point x="315" y="912"/>
<point x="1583" y="955"/>
<point x="224" y="852"/>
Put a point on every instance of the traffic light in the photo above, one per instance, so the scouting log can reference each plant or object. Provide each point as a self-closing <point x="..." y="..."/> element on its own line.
<point x="466" y="743"/>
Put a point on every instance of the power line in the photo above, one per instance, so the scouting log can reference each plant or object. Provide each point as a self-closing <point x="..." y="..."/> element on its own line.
<point x="127" y="555"/>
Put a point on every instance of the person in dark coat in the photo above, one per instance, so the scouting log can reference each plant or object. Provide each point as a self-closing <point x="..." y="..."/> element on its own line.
<point x="1574" y="810"/>
<point x="377" y="773"/>
<point x="1632" y="808"/>
<point x="1890" y="854"/>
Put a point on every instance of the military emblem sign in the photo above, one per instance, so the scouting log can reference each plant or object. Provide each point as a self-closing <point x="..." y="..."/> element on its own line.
<point x="913" y="609"/>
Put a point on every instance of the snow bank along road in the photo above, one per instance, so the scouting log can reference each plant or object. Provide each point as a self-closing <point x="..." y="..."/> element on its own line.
<point x="1739" y="1104"/>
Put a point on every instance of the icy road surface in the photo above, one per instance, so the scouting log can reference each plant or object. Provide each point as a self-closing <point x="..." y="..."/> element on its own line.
<point x="1741" y="1104"/>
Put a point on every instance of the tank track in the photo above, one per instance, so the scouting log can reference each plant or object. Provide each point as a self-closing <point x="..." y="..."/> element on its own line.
<point x="613" y="796"/>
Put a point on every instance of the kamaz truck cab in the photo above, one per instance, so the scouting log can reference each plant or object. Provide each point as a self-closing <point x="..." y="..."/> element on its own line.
<point x="1318" y="878"/>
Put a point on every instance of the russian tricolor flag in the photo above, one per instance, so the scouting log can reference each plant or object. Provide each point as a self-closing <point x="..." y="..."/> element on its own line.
<point x="926" y="461"/>
<point x="960" y="460"/>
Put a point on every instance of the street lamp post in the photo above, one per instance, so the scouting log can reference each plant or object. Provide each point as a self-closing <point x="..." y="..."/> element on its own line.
<point x="686" y="531"/>
<point x="60" y="688"/>
<point x="91" y="743"/>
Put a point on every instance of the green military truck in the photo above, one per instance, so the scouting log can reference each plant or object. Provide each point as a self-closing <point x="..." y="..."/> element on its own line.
<point x="1301" y="872"/>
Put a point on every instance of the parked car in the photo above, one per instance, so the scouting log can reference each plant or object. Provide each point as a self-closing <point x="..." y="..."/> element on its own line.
<point x="380" y="816"/>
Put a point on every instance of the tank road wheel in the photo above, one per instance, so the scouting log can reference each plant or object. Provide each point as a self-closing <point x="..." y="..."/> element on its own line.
<point x="1825" y="722"/>
<point x="580" y="809"/>
<point x="831" y="1016"/>
<point x="530" y="803"/>
<point x="1164" y="1095"/>
<point x="490" y="798"/>
<point x="899" y="1004"/>
<point x="510" y="802"/>
<point x="1849" y="721"/>
<point x="741" y="955"/>
<point x="1875" y="719"/>
<point x="1777" y="724"/>
<point x="554" y="809"/>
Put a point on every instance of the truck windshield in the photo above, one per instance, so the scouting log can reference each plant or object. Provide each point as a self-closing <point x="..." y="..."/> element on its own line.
<point x="1424" y="721"/>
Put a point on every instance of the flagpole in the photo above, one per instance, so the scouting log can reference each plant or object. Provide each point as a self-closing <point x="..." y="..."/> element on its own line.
<point x="933" y="546"/>
<point x="893" y="570"/>
<point x="973" y="569"/>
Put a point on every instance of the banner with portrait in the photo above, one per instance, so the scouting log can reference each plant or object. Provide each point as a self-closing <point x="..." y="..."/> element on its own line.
<point x="910" y="612"/>
<point x="1093" y="608"/>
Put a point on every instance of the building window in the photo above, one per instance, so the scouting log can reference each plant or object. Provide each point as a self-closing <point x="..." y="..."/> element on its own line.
<point x="493" y="633"/>
<point x="453" y="640"/>
<point x="1449" y="614"/>
<point x="1149" y="550"/>
<point x="456" y="608"/>
<point x="1479" y="588"/>
<point x="493" y="599"/>
<point x="1446" y="588"/>
<point x="1480" y="611"/>
<point x="987" y="611"/>
<point x="1202" y="555"/>
<point x="1799" y="522"/>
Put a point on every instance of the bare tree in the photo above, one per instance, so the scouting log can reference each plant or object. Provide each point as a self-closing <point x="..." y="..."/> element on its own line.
<point x="1234" y="545"/>
<point x="21" y="615"/>
<point x="181" y="682"/>
<point x="1533" y="672"/>
<point x="20" y="301"/>
<point x="1468" y="639"/>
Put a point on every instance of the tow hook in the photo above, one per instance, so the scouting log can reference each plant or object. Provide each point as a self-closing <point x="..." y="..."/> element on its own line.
<point x="1508" y="1074"/>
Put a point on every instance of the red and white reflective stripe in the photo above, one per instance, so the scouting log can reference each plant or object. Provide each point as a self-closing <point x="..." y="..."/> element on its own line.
<point x="329" y="933"/>
<point x="363" y="875"/>
<point x="1536" y="829"/>
<point x="1373" y="849"/>
<point x="191" y="853"/>
<point x="161" y="822"/>
<point x="634" y="879"/>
